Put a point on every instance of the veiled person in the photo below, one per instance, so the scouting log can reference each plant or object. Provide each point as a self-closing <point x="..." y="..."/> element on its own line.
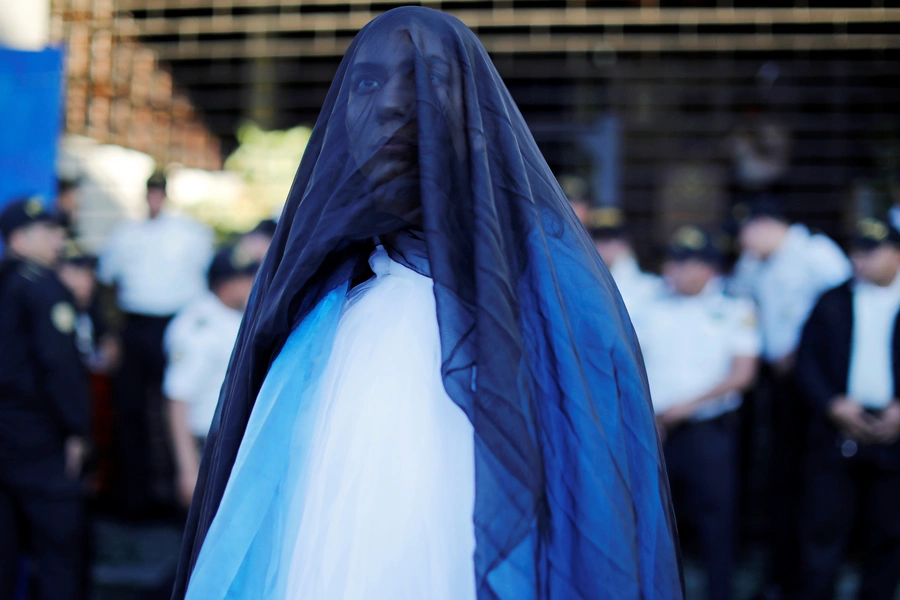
<point x="436" y="392"/>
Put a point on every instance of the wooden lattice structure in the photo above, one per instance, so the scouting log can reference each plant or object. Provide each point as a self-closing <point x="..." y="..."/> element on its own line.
<point x="680" y="77"/>
<point x="221" y="29"/>
<point x="117" y="92"/>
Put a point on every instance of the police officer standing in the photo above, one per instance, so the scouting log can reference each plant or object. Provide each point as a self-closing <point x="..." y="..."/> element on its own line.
<point x="157" y="267"/>
<point x="700" y="349"/>
<point x="198" y="343"/>
<point x="784" y="267"/>
<point x="44" y="408"/>
<point x="849" y="368"/>
<point x="576" y="190"/>
<point x="607" y="228"/>
<point x="255" y="243"/>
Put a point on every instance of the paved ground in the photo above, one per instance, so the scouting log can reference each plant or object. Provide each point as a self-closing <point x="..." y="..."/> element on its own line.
<point x="138" y="563"/>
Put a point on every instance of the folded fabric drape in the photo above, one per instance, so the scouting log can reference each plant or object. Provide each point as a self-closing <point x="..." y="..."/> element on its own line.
<point x="419" y="139"/>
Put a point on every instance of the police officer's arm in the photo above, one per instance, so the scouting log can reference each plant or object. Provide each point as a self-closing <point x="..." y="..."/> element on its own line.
<point x="820" y="387"/>
<point x="744" y="342"/>
<point x="739" y="379"/>
<point x="745" y="345"/>
<point x="187" y="456"/>
<point x="830" y="265"/>
<point x="184" y="373"/>
<point x="62" y="373"/>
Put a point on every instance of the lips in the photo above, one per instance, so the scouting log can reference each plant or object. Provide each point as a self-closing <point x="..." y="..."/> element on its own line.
<point x="399" y="145"/>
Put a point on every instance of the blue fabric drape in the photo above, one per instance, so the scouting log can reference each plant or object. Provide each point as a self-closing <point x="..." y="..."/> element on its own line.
<point x="244" y="545"/>
<point x="418" y="133"/>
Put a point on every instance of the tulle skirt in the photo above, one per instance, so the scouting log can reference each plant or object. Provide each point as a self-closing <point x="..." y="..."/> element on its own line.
<point x="389" y="494"/>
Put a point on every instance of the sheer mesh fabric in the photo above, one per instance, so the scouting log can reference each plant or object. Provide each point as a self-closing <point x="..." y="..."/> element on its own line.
<point x="418" y="134"/>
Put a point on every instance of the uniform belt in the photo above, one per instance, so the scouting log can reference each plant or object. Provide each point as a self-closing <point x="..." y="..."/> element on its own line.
<point x="138" y="317"/>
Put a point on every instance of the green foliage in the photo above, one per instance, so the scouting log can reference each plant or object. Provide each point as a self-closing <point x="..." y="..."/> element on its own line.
<point x="267" y="161"/>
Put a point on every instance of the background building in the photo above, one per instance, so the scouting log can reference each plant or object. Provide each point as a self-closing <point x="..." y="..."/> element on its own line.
<point x="668" y="108"/>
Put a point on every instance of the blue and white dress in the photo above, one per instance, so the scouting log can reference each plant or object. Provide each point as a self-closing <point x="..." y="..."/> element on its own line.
<point x="375" y="500"/>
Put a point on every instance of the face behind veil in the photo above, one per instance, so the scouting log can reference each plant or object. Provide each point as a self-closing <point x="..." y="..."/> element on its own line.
<point x="418" y="135"/>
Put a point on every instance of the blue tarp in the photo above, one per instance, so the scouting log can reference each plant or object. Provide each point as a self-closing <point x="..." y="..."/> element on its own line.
<point x="30" y="119"/>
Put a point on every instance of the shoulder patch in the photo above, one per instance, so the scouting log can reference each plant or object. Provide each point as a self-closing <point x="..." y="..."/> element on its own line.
<point x="63" y="317"/>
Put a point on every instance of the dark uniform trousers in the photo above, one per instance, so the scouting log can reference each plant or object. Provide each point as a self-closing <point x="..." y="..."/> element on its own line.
<point x="842" y="491"/>
<point x="789" y="418"/>
<point x="144" y="464"/>
<point x="701" y="459"/>
<point x="41" y="506"/>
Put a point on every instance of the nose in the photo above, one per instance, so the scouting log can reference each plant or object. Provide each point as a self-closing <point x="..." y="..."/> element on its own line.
<point x="397" y="98"/>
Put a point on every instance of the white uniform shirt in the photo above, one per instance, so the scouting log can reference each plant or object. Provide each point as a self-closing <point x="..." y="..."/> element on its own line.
<point x="636" y="287"/>
<point x="894" y="216"/>
<point x="871" y="378"/>
<point x="787" y="285"/>
<point x="198" y="344"/>
<point x="159" y="265"/>
<point x="689" y="345"/>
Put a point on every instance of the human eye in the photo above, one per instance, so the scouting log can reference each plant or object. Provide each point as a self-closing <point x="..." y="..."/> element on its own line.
<point x="438" y="71"/>
<point x="366" y="78"/>
<point x="367" y="84"/>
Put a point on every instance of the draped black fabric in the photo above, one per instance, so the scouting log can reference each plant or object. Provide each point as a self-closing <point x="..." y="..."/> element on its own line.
<point x="420" y="146"/>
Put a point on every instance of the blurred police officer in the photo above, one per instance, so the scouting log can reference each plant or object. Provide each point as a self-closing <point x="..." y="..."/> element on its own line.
<point x="608" y="231"/>
<point x="576" y="190"/>
<point x="44" y="409"/>
<point x="67" y="205"/>
<point x="255" y="243"/>
<point x="77" y="271"/>
<point x="158" y="266"/>
<point x="784" y="267"/>
<point x="700" y="348"/>
<point x="198" y="344"/>
<point x="849" y="369"/>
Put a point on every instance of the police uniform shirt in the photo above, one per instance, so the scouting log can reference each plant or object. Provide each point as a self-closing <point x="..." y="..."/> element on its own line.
<point x="894" y="216"/>
<point x="159" y="265"/>
<point x="787" y="285"/>
<point x="871" y="380"/>
<point x="198" y="343"/>
<point x="636" y="287"/>
<point x="689" y="344"/>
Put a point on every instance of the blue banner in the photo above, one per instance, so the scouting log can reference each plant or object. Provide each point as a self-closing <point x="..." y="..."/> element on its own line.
<point x="30" y="119"/>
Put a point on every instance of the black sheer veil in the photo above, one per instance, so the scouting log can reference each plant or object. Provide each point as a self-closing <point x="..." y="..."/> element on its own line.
<point x="419" y="142"/>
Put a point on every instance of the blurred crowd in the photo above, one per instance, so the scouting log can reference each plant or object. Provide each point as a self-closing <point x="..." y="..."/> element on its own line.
<point x="766" y="310"/>
<point x="131" y="348"/>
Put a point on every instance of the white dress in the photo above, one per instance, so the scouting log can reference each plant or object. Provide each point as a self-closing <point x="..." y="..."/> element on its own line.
<point x="390" y="491"/>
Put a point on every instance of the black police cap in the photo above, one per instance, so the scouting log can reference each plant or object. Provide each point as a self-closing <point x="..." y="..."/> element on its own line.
<point x="693" y="243"/>
<point x="607" y="222"/>
<point x="872" y="233"/>
<point x="229" y="263"/>
<point x="157" y="181"/>
<point x="64" y="184"/>
<point x="762" y="205"/>
<point x="265" y="227"/>
<point x="73" y="254"/>
<point x="23" y="212"/>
